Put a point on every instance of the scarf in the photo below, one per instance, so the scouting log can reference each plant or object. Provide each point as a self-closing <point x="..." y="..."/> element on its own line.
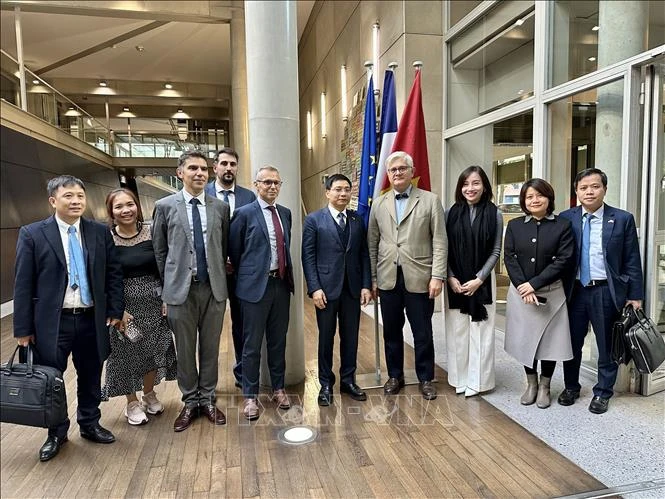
<point x="469" y="247"/>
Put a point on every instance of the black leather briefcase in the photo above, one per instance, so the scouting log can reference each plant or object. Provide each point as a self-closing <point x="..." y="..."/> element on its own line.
<point x="31" y="395"/>
<point x="647" y="346"/>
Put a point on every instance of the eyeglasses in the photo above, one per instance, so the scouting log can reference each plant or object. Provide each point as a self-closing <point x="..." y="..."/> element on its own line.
<point x="339" y="190"/>
<point x="228" y="163"/>
<point x="398" y="169"/>
<point x="269" y="183"/>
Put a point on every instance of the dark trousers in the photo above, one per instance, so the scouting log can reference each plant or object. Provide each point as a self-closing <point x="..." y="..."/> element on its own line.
<point x="419" y="310"/>
<point x="78" y="336"/>
<point x="270" y="316"/>
<point x="592" y="305"/>
<point x="546" y="368"/>
<point x="236" y="325"/>
<point x="346" y="308"/>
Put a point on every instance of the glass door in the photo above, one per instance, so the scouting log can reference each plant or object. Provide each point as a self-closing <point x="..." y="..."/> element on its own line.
<point x="653" y="208"/>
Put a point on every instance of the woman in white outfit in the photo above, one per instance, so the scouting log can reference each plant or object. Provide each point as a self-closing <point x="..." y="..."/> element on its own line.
<point x="474" y="226"/>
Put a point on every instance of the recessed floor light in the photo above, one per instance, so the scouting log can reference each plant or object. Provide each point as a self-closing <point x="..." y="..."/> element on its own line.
<point x="297" y="435"/>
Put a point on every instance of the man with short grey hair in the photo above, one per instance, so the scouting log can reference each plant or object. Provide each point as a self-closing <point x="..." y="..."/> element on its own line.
<point x="189" y="235"/>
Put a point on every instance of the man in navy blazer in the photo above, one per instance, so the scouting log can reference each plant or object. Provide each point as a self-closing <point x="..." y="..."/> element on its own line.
<point x="225" y="166"/>
<point x="608" y="277"/>
<point x="335" y="259"/>
<point x="259" y="241"/>
<point x="68" y="290"/>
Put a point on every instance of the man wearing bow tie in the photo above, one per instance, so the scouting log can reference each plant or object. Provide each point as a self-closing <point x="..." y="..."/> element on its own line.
<point x="608" y="277"/>
<point x="224" y="187"/>
<point x="409" y="257"/>
<point x="68" y="289"/>
<point x="335" y="261"/>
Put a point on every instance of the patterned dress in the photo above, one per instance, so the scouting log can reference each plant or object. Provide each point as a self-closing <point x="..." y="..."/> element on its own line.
<point x="129" y="361"/>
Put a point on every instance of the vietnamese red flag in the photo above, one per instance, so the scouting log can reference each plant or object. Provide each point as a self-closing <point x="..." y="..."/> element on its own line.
<point x="411" y="137"/>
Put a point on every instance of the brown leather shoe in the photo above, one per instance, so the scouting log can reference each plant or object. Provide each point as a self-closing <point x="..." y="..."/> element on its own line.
<point x="185" y="418"/>
<point x="428" y="390"/>
<point x="214" y="415"/>
<point x="250" y="409"/>
<point x="281" y="399"/>
<point x="393" y="386"/>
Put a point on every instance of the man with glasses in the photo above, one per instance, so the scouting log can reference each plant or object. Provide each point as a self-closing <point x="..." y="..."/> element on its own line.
<point x="408" y="255"/>
<point x="259" y="251"/>
<point x="335" y="261"/>
<point x="225" y="166"/>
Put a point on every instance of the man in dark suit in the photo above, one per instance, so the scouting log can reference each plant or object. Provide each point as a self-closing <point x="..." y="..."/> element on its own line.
<point x="259" y="251"/>
<point x="68" y="290"/>
<point x="189" y="235"/>
<point x="335" y="260"/>
<point x="225" y="166"/>
<point x="608" y="277"/>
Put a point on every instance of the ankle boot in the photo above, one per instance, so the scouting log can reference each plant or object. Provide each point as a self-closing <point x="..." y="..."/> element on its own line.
<point x="529" y="396"/>
<point x="543" y="398"/>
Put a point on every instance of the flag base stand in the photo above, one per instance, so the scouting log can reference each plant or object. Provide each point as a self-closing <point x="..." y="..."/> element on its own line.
<point x="371" y="381"/>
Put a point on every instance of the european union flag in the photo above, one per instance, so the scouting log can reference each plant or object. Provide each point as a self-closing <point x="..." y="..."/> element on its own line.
<point x="368" y="158"/>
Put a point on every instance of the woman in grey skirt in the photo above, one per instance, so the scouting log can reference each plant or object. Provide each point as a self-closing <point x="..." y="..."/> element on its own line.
<point x="539" y="255"/>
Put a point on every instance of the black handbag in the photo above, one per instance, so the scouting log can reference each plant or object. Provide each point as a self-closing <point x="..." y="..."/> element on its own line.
<point x="620" y="349"/>
<point x="647" y="346"/>
<point x="31" y="395"/>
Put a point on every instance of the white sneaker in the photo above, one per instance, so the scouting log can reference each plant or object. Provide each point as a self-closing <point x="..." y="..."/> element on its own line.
<point x="151" y="404"/>
<point x="135" y="414"/>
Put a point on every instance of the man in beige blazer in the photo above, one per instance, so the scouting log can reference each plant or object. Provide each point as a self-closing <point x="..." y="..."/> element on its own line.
<point x="408" y="255"/>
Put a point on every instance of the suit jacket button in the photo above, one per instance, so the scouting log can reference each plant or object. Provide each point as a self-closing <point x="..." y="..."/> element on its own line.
<point x="532" y="240"/>
<point x="533" y="260"/>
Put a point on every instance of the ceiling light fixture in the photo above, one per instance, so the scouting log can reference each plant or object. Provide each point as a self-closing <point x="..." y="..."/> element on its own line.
<point x="35" y="82"/>
<point x="595" y="28"/>
<point x="324" y="131"/>
<point x="345" y="115"/>
<point x="168" y="86"/>
<point x="519" y="22"/>
<point x="125" y="109"/>
<point x="103" y="83"/>
<point x="592" y="59"/>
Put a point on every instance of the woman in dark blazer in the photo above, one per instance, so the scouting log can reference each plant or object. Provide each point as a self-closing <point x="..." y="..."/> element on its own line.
<point x="539" y="253"/>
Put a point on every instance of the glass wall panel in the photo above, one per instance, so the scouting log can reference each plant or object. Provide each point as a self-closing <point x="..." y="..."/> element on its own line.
<point x="459" y="9"/>
<point x="589" y="35"/>
<point x="504" y="150"/>
<point x="491" y="63"/>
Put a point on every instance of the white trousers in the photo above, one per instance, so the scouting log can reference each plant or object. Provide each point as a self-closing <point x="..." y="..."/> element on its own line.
<point x="470" y="348"/>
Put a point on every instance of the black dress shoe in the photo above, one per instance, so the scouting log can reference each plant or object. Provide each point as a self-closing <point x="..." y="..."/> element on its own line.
<point x="51" y="447"/>
<point x="428" y="390"/>
<point x="393" y="386"/>
<point x="214" y="415"/>
<point x="96" y="433"/>
<point x="185" y="418"/>
<point x="599" y="405"/>
<point x="325" y="395"/>
<point x="568" y="396"/>
<point x="353" y="391"/>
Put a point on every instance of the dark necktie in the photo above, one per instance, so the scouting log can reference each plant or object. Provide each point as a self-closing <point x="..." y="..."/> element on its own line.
<point x="403" y="195"/>
<point x="199" y="243"/>
<point x="585" y="258"/>
<point x="281" y="249"/>
<point x="225" y="193"/>
<point x="341" y="220"/>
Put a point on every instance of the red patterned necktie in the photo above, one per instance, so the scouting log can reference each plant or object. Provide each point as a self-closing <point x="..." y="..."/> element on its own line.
<point x="281" y="249"/>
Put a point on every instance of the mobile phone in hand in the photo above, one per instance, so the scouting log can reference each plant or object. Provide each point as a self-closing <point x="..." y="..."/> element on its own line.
<point x="541" y="300"/>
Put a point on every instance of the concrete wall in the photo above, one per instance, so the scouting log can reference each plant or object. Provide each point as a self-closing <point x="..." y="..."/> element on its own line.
<point x="340" y="32"/>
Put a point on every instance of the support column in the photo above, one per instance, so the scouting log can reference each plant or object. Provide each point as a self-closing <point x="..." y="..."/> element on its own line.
<point x="273" y="108"/>
<point x="239" y="118"/>
<point x="622" y="34"/>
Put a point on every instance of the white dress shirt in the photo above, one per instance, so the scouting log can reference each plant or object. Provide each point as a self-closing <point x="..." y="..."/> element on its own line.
<point x="232" y="195"/>
<point x="72" y="296"/>
<point x="596" y="257"/>
<point x="267" y="215"/>
<point x="336" y="213"/>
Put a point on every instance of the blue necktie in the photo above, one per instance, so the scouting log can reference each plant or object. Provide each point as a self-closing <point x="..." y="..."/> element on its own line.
<point x="225" y="193"/>
<point x="585" y="263"/>
<point x="199" y="244"/>
<point x="78" y="277"/>
<point x="342" y="221"/>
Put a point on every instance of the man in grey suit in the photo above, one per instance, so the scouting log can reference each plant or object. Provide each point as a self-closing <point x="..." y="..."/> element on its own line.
<point x="189" y="234"/>
<point x="408" y="255"/>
